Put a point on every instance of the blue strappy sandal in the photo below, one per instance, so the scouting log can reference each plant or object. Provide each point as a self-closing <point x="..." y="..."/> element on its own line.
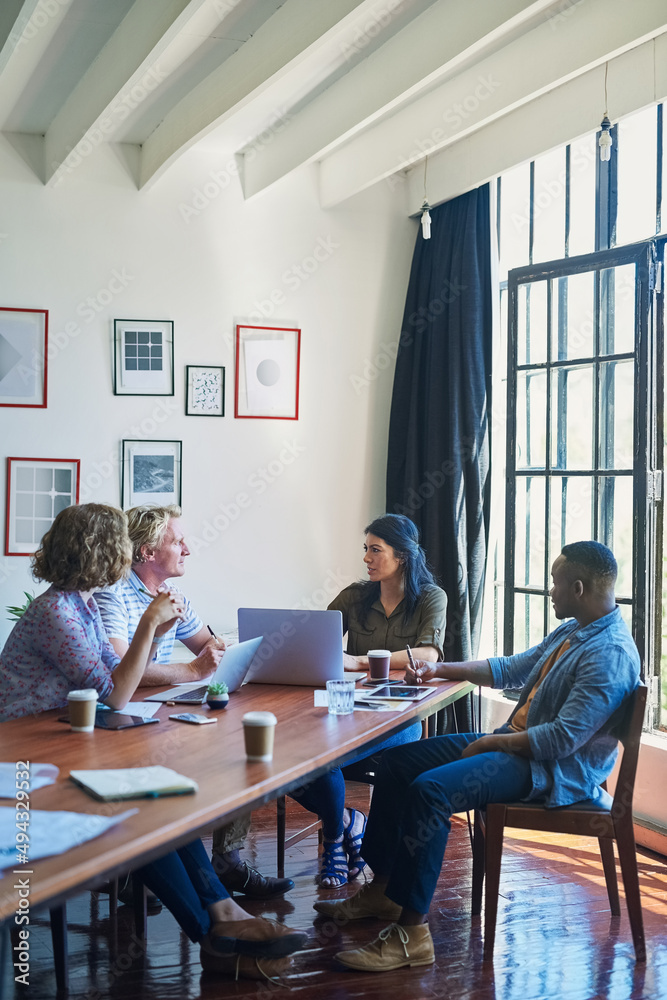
<point x="352" y="845"/>
<point x="333" y="864"/>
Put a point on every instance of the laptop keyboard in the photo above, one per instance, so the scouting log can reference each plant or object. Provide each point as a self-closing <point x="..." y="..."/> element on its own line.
<point x="198" y="693"/>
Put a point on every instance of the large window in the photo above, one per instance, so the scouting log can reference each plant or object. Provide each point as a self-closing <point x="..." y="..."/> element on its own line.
<point x="582" y="452"/>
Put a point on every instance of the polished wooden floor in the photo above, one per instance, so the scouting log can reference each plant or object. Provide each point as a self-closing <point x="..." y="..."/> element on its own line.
<point x="556" y="938"/>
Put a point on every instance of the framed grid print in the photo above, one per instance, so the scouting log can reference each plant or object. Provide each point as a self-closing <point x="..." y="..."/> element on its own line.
<point x="204" y="391"/>
<point x="267" y="372"/>
<point x="151" y="473"/>
<point x="37" y="490"/>
<point x="143" y="357"/>
<point x="23" y="356"/>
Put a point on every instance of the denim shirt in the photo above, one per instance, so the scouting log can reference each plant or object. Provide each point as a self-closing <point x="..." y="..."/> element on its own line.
<point x="569" y="721"/>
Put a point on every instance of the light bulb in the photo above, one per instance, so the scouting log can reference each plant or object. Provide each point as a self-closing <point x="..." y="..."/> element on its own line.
<point x="426" y="221"/>
<point x="604" y="142"/>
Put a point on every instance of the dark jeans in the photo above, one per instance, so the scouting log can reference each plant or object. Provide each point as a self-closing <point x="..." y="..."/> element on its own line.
<point x="325" y="796"/>
<point x="185" y="882"/>
<point x="417" y="790"/>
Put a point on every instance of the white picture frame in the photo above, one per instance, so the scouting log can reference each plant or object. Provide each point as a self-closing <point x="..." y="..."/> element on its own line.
<point x="150" y="473"/>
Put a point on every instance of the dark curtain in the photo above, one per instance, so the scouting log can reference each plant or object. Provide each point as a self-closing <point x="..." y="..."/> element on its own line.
<point x="438" y="463"/>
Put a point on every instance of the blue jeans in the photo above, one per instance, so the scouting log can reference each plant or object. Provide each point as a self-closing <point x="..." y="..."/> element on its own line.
<point x="325" y="796"/>
<point x="417" y="790"/>
<point x="185" y="882"/>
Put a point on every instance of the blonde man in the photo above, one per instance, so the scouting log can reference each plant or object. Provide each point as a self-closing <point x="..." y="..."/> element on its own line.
<point x="159" y="551"/>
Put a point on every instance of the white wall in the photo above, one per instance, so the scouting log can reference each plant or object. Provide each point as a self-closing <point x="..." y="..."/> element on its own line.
<point x="300" y="538"/>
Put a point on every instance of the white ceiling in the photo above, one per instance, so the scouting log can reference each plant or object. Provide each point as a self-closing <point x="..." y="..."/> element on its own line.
<point x="365" y="89"/>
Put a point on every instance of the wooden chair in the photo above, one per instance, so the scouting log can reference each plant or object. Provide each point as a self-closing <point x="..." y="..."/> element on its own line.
<point x="609" y="821"/>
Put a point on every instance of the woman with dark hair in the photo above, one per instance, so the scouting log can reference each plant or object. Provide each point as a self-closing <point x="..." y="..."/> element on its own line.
<point x="59" y="644"/>
<point x="399" y="605"/>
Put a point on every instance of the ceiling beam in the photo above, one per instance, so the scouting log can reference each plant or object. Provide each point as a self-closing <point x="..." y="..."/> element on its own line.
<point x="438" y="43"/>
<point x="544" y="58"/>
<point x="151" y="41"/>
<point x="299" y="32"/>
<point x="28" y="29"/>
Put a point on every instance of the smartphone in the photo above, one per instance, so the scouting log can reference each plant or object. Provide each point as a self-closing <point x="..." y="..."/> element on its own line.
<point x="197" y="720"/>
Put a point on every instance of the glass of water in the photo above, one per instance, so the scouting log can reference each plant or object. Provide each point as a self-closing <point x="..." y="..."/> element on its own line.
<point x="340" y="696"/>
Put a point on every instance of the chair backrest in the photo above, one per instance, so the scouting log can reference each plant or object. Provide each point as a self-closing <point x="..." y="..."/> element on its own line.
<point x="628" y="732"/>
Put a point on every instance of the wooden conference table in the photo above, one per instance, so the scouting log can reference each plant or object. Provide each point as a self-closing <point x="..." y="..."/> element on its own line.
<point x="307" y="742"/>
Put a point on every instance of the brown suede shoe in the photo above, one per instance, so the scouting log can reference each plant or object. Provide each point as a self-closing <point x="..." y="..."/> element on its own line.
<point x="245" y="967"/>
<point x="256" y="936"/>
<point x="370" y="901"/>
<point x="394" y="948"/>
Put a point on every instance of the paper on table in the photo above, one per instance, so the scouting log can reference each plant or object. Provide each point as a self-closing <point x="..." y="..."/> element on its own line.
<point x="40" y="775"/>
<point x="144" y="709"/>
<point x="51" y="832"/>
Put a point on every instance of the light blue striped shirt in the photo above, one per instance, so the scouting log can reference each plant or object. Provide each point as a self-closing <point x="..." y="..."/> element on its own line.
<point x="122" y="605"/>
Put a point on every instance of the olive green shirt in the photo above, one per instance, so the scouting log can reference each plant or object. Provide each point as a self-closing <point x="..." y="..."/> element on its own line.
<point x="425" y="627"/>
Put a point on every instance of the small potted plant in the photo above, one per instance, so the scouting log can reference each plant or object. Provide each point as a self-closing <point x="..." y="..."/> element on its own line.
<point x="217" y="695"/>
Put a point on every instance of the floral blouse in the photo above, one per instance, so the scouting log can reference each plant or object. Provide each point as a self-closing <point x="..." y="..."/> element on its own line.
<point x="58" y="645"/>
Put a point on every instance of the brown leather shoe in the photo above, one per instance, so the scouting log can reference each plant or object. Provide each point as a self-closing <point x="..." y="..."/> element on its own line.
<point x="394" y="948"/>
<point x="256" y="936"/>
<point x="245" y="967"/>
<point x="370" y="901"/>
<point x="245" y="879"/>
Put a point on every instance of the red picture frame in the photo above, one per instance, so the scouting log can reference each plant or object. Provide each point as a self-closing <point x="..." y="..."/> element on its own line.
<point x="267" y="368"/>
<point x="37" y="490"/>
<point x="24" y="344"/>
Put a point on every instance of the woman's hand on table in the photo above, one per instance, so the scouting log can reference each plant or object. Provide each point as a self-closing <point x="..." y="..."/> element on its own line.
<point x="354" y="663"/>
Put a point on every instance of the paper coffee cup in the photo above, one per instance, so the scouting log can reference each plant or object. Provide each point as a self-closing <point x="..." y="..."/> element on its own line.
<point x="82" y="708"/>
<point x="378" y="662"/>
<point x="258" y="730"/>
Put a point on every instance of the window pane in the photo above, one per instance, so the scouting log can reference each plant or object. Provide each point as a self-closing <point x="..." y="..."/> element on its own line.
<point x="615" y="526"/>
<point x="529" y="531"/>
<point x="514" y="218"/>
<point x="571" y="512"/>
<point x="617" y="401"/>
<point x="583" y="154"/>
<point x="531" y="420"/>
<point x="532" y="323"/>
<point x="549" y="206"/>
<point x="663" y="211"/>
<point x="528" y="620"/>
<point x="637" y="158"/>
<point x="573" y="317"/>
<point x="572" y="418"/>
<point x="617" y="309"/>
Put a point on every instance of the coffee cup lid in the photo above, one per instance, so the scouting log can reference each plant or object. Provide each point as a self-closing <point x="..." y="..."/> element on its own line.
<point x="378" y="652"/>
<point x="87" y="694"/>
<point x="259" y="719"/>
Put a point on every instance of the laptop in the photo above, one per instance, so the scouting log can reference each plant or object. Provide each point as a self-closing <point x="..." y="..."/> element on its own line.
<point x="232" y="669"/>
<point x="297" y="647"/>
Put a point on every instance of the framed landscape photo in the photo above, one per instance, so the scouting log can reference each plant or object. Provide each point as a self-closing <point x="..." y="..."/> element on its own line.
<point x="23" y="356"/>
<point x="151" y="473"/>
<point x="143" y="357"/>
<point x="204" y="391"/>
<point x="37" y="490"/>
<point x="267" y="372"/>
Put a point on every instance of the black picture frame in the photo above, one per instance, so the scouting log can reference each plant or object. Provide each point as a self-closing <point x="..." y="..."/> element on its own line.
<point x="204" y="391"/>
<point x="145" y="463"/>
<point x="143" y="352"/>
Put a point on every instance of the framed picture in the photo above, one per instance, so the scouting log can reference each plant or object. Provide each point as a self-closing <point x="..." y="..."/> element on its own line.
<point x="23" y="356"/>
<point x="204" y="391"/>
<point x="151" y="473"/>
<point x="37" y="490"/>
<point x="267" y="372"/>
<point x="143" y="357"/>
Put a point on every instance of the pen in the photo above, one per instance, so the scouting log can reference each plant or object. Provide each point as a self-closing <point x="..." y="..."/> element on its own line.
<point x="411" y="661"/>
<point x="212" y="632"/>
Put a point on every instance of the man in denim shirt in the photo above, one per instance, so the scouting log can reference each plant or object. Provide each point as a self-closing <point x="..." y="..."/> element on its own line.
<point x="556" y="748"/>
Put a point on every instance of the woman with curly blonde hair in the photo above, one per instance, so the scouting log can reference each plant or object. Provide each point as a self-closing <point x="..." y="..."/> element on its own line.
<point x="60" y="644"/>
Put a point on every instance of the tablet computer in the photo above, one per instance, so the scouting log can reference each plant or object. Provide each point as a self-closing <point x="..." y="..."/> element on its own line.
<point x="403" y="692"/>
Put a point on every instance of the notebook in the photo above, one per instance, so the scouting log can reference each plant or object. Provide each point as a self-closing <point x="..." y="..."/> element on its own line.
<point x="111" y="784"/>
<point x="232" y="669"/>
<point x="298" y="647"/>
